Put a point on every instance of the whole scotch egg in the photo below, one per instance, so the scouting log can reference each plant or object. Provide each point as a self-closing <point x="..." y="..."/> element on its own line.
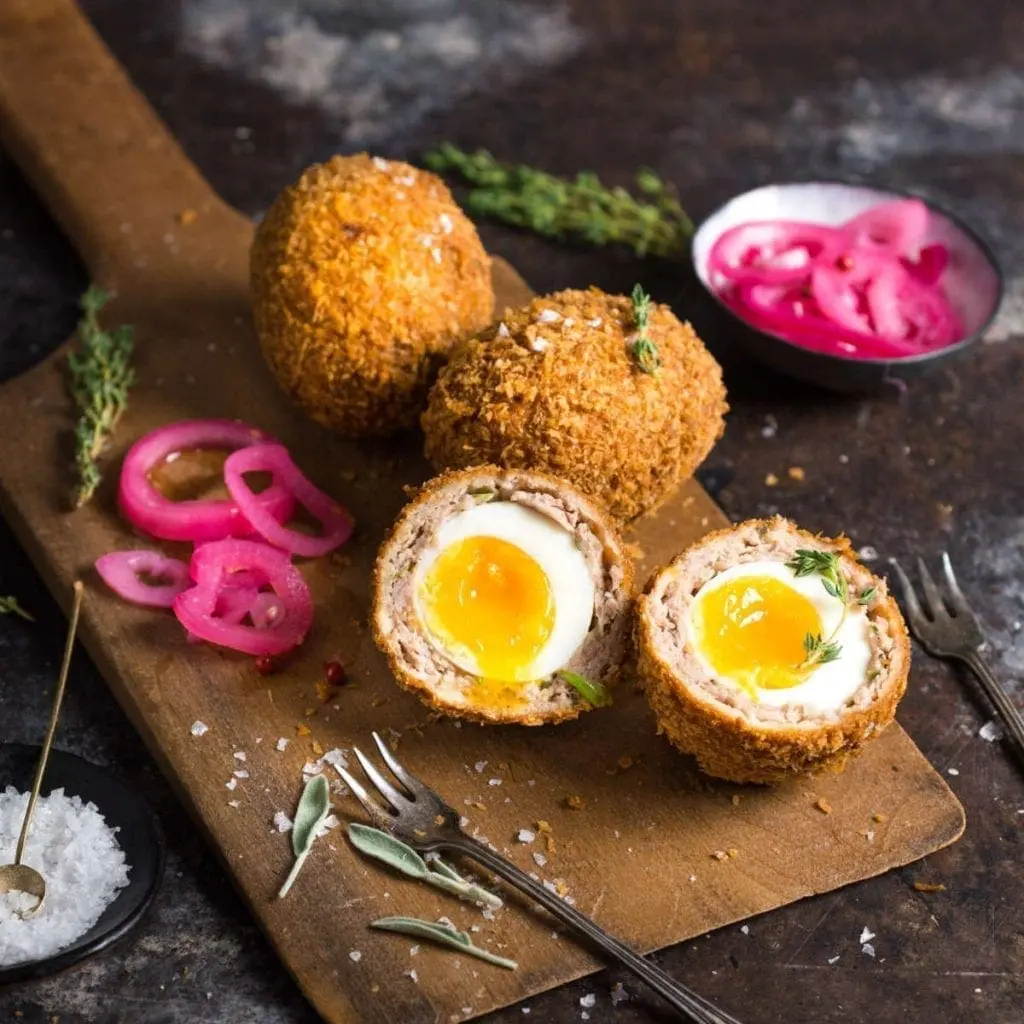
<point x="767" y="652"/>
<point x="503" y="596"/>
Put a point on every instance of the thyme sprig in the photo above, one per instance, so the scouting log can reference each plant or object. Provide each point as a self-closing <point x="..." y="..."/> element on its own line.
<point x="101" y="377"/>
<point x="9" y="606"/>
<point x="580" y="208"/>
<point x="645" y="352"/>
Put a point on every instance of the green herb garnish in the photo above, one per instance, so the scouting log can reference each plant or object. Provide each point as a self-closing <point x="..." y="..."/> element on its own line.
<point x="396" y="854"/>
<point x="100" y="379"/>
<point x="820" y="650"/>
<point x="10" y="606"/>
<point x="867" y="596"/>
<point x="579" y="208"/>
<point x="645" y="352"/>
<point x="594" y="693"/>
<point x="314" y="806"/>
<point x="443" y="934"/>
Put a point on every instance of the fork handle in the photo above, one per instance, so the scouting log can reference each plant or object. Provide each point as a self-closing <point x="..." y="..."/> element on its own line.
<point x="694" y="1006"/>
<point x="1012" y="718"/>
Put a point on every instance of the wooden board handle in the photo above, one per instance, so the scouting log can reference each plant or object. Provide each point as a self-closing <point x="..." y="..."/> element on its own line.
<point x="104" y="162"/>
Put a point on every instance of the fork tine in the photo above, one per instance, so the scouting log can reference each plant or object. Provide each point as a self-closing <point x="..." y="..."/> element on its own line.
<point x="932" y="594"/>
<point x="396" y="799"/>
<point x="377" y="814"/>
<point x="957" y="598"/>
<point x="914" y="609"/>
<point x="408" y="780"/>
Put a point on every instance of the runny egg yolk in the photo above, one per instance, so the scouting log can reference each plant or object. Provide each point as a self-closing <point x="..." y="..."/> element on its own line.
<point x="490" y="598"/>
<point x="752" y="629"/>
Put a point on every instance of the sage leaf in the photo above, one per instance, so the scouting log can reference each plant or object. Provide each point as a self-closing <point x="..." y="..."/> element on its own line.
<point x="443" y="935"/>
<point x="594" y="693"/>
<point x="403" y="858"/>
<point x="314" y="806"/>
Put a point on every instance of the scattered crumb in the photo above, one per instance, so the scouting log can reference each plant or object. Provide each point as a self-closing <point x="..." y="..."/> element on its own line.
<point x="625" y="762"/>
<point x="990" y="732"/>
<point x="745" y="929"/>
<point x="732" y="852"/>
<point x="355" y="956"/>
<point x="929" y="887"/>
<point x="833" y="959"/>
<point x="524" y="835"/>
<point x="575" y="803"/>
<point x="824" y="806"/>
<point x="302" y="729"/>
<point x="316" y="748"/>
<point x="200" y="728"/>
<point x="952" y="771"/>
<point x="736" y="799"/>
<point x="770" y="480"/>
<point x="878" y="818"/>
<point x="187" y="216"/>
<point x="282" y="743"/>
<point x="719" y="855"/>
<point x="618" y="994"/>
<point x="543" y="826"/>
<point x="797" y="473"/>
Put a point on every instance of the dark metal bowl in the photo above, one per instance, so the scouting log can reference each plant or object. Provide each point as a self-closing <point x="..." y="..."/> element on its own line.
<point x="139" y="835"/>
<point x="973" y="282"/>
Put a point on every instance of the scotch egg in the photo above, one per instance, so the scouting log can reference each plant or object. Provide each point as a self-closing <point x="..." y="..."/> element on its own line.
<point x="504" y="596"/>
<point x="767" y="652"/>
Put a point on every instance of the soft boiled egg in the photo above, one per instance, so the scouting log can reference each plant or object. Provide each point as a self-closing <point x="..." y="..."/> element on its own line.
<point x="748" y="625"/>
<point x="505" y="593"/>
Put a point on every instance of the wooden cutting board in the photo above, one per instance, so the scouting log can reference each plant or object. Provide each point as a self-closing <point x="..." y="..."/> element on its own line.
<point x="638" y="856"/>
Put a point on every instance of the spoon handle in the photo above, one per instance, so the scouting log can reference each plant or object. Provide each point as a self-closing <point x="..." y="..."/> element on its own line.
<point x="54" y="716"/>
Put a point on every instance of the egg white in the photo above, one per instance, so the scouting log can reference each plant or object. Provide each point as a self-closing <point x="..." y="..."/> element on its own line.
<point x="828" y="686"/>
<point x="553" y="548"/>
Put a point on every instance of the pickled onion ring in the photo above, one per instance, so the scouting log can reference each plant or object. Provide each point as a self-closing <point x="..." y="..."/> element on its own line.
<point x="199" y="520"/>
<point x="196" y="607"/>
<point x="337" y="523"/>
<point x="123" y="572"/>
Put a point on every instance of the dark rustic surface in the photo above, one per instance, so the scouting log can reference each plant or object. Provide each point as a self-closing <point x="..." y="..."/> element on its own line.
<point x="717" y="96"/>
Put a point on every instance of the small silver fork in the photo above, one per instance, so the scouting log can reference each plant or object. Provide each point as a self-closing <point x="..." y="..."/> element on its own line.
<point x="415" y="814"/>
<point x="949" y="629"/>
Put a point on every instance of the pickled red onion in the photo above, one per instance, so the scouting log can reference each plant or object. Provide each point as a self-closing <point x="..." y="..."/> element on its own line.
<point x="123" y="572"/>
<point x="196" y="608"/>
<point x="865" y="289"/>
<point x="199" y="520"/>
<point x="274" y="458"/>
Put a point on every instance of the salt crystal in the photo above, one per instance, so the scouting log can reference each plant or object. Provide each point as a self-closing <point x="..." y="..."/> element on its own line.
<point x="539" y="344"/>
<point x="494" y="782"/>
<point x="526" y="1009"/>
<point x="588" y="1000"/>
<point x="381" y="164"/>
<point x="234" y="803"/>
<point x="355" y="956"/>
<point x="241" y="774"/>
<point x="867" y="553"/>
<point x="336" y="758"/>
<point x="693" y="878"/>
<point x="413" y="950"/>
<point x="282" y="822"/>
<point x="415" y="977"/>
<point x="200" y="728"/>
<point x="868" y="949"/>
<point x="231" y="783"/>
<point x="71" y="844"/>
<point x="844" y="459"/>
<point x="770" y="428"/>
<point x="584" y="1015"/>
<point x="866" y="936"/>
<point x="446" y="223"/>
<point x="618" y="994"/>
<point x="480" y="766"/>
<point x="488" y="914"/>
<point x="239" y="755"/>
<point x="548" y="316"/>
<point x="282" y="743"/>
<point x="833" y="959"/>
<point x="952" y="771"/>
<point x="524" y="835"/>
<point x="745" y="929"/>
<point x="990" y="732"/>
<point x="596" y="322"/>
<point x="436" y="254"/>
<point x="539" y="859"/>
<point x="502" y="331"/>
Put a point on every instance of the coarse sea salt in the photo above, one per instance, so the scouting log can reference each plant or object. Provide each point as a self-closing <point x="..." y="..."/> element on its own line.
<point x="84" y="867"/>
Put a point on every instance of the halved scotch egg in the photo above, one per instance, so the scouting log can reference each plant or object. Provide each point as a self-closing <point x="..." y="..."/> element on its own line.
<point x="504" y="596"/>
<point x="767" y="652"/>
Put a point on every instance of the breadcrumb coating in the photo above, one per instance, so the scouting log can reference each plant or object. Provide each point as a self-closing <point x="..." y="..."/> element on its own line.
<point x="555" y="387"/>
<point x="363" y="274"/>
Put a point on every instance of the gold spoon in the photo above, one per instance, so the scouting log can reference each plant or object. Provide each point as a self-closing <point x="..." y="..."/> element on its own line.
<point x="18" y="877"/>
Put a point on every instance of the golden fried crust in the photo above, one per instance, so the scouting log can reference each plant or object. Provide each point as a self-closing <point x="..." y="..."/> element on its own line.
<point x="362" y="275"/>
<point x="384" y="637"/>
<point x="728" y="745"/>
<point x="556" y="388"/>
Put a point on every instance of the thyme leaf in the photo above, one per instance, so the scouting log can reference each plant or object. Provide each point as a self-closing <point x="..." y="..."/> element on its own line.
<point x="580" y="208"/>
<point x="595" y="693"/>
<point x="820" y="650"/>
<point x="100" y="378"/>
<point x="645" y="352"/>
<point x="9" y="606"/>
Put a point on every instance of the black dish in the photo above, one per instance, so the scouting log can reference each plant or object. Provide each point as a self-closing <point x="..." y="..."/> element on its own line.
<point x="974" y="283"/>
<point x="140" y="836"/>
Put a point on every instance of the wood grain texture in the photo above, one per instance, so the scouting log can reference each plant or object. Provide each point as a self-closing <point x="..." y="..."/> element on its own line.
<point x="117" y="182"/>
